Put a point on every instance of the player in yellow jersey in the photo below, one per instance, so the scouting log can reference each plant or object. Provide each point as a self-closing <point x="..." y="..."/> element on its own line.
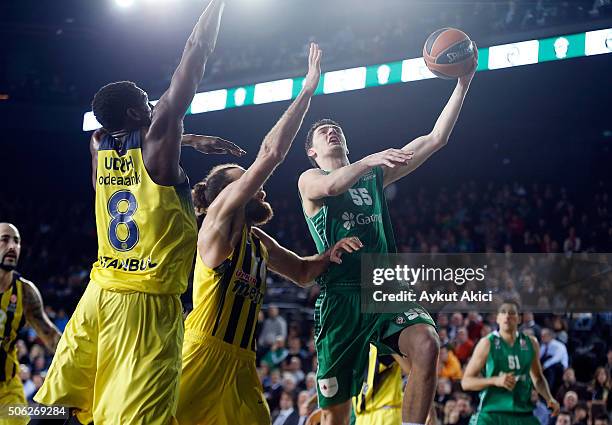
<point x="380" y="399"/>
<point x="119" y="359"/>
<point x="19" y="301"/>
<point x="219" y="383"/>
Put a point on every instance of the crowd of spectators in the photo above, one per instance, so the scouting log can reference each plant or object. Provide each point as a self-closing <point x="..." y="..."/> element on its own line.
<point x="388" y="36"/>
<point x="576" y="349"/>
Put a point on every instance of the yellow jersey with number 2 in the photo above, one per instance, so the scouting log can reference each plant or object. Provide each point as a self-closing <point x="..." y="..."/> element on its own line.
<point x="147" y="232"/>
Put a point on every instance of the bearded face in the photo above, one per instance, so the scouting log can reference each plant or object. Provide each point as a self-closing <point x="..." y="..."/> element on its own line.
<point x="10" y="246"/>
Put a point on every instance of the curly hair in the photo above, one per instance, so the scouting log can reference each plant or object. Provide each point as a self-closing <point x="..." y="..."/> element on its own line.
<point x="205" y="191"/>
<point x="310" y="136"/>
<point x="111" y="102"/>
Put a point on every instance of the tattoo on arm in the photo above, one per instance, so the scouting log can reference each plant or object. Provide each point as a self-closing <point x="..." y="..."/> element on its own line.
<point x="37" y="318"/>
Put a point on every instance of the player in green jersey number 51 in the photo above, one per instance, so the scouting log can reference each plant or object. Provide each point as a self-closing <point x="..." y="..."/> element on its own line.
<point x="511" y="366"/>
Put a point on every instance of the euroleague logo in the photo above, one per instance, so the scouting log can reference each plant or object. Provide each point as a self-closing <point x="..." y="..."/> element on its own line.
<point x="328" y="386"/>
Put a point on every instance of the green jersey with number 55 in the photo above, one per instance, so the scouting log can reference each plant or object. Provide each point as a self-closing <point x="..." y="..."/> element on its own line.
<point x="361" y="211"/>
<point x="146" y="232"/>
<point x="517" y="360"/>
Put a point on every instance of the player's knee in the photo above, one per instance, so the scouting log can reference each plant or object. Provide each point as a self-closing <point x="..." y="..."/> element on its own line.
<point x="422" y="347"/>
<point x="337" y="414"/>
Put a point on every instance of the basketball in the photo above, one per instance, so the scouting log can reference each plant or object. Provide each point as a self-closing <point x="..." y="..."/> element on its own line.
<point x="449" y="53"/>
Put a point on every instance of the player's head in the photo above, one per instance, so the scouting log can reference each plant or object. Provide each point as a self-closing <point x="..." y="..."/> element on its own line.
<point x="257" y="210"/>
<point x="325" y="139"/>
<point x="122" y="106"/>
<point x="10" y="246"/>
<point x="601" y="420"/>
<point x="508" y="316"/>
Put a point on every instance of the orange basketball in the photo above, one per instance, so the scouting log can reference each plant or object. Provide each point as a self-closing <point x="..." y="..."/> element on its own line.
<point x="449" y="53"/>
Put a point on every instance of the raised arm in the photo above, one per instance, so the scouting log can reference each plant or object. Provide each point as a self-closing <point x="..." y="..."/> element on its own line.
<point x="277" y="142"/>
<point x="37" y="318"/>
<point x="472" y="379"/>
<point x="163" y="138"/>
<point x="303" y="270"/>
<point x="315" y="184"/>
<point x="213" y="240"/>
<point x="174" y="103"/>
<point x="424" y="146"/>
<point x="539" y="381"/>
<point x="94" y="144"/>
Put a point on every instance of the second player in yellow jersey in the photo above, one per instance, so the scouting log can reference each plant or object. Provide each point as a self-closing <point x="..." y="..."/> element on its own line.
<point x="19" y="301"/>
<point x="219" y="383"/>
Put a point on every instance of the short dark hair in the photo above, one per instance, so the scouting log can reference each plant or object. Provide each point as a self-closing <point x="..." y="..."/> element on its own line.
<point x="510" y="301"/>
<point x="310" y="135"/>
<point x="602" y="417"/>
<point x="205" y="192"/>
<point x="111" y="102"/>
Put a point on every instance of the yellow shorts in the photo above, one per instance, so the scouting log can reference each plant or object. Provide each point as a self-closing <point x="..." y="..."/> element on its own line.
<point x="11" y="394"/>
<point x="219" y="385"/>
<point x="383" y="416"/>
<point x="118" y="361"/>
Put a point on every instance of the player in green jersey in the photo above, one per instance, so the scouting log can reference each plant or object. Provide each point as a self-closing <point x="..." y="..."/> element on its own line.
<point x="340" y="200"/>
<point x="511" y="366"/>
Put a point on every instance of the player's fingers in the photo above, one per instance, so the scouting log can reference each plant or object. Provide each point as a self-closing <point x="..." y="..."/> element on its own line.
<point x="388" y="163"/>
<point x="353" y="244"/>
<point x="400" y="154"/>
<point x="335" y="259"/>
<point x="234" y="148"/>
<point x="400" y="158"/>
<point x="398" y="161"/>
<point x="357" y="240"/>
<point x="347" y="247"/>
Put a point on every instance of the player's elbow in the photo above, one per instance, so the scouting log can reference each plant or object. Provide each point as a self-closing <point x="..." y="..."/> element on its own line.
<point x="465" y="384"/>
<point x="438" y="139"/>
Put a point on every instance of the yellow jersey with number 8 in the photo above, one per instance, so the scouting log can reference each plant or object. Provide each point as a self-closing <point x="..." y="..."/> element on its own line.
<point x="147" y="232"/>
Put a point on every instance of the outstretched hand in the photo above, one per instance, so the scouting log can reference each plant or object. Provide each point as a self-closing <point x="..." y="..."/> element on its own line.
<point x="351" y="244"/>
<point x="467" y="78"/>
<point x="213" y="145"/>
<point x="314" y="68"/>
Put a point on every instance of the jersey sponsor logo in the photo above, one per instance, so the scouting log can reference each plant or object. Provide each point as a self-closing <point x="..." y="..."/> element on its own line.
<point x="109" y="180"/>
<point x="328" y="386"/>
<point x="127" y="264"/>
<point x="245" y="277"/>
<point x="245" y="290"/>
<point x="523" y="344"/>
<point x="351" y="220"/>
<point x="119" y="164"/>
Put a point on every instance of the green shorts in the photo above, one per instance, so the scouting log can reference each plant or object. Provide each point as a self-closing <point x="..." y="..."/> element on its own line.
<point x="499" y="418"/>
<point x="342" y="338"/>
